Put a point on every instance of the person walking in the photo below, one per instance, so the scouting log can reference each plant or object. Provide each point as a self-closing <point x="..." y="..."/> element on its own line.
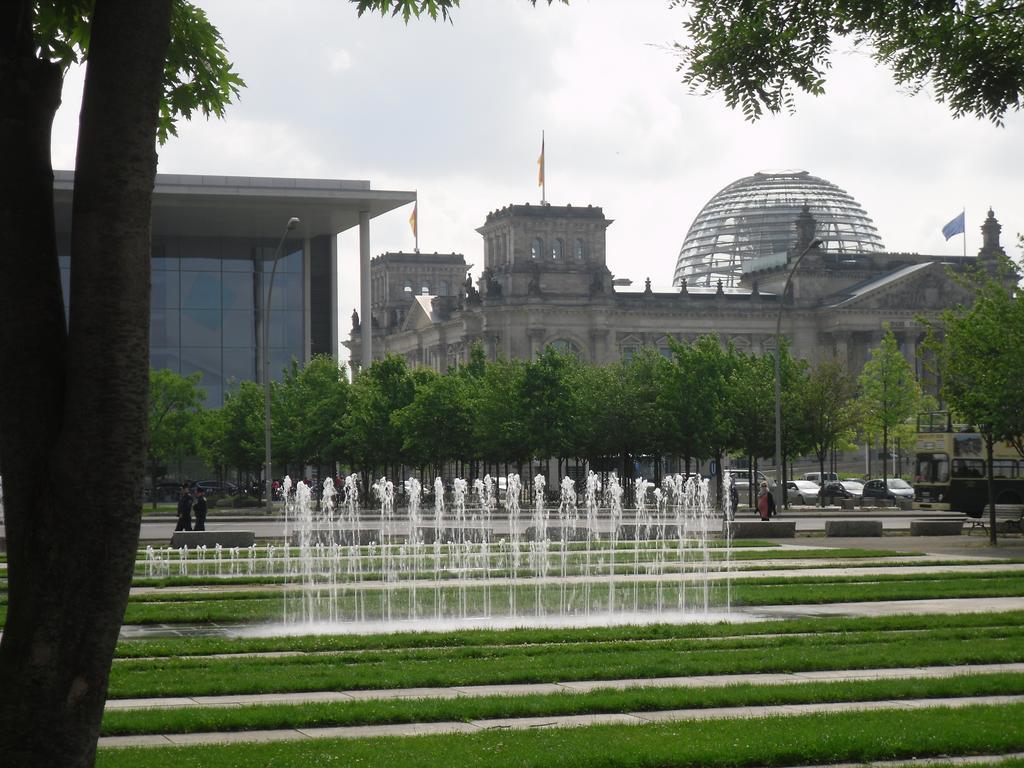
<point x="765" y="502"/>
<point x="199" y="507"/>
<point x="184" y="510"/>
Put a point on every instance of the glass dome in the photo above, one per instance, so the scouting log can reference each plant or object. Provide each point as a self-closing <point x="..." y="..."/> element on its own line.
<point x="756" y="216"/>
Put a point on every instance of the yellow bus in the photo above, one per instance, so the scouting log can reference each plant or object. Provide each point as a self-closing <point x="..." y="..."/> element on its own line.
<point x="950" y="471"/>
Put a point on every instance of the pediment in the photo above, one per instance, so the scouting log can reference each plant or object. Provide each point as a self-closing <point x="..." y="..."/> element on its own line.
<point x="420" y="314"/>
<point x="922" y="287"/>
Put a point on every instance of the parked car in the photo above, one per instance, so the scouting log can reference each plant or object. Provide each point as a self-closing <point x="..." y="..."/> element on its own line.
<point x="741" y="480"/>
<point x="841" y="489"/>
<point x="815" y="477"/>
<point x="891" y="490"/>
<point x="165" y="492"/>
<point x="216" y="487"/>
<point x="802" y="492"/>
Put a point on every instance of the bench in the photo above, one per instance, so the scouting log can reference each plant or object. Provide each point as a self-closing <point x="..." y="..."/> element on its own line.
<point x="1009" y="519"/>
<point x="853" y="528"/>
<point x="936" y="527"/>
<point x="761" y="529"/>
<point x="210" y="539"/>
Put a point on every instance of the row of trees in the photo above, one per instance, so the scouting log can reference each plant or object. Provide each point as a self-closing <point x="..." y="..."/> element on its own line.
<point x="704" y="402"/>
<point x="979" y="351"/>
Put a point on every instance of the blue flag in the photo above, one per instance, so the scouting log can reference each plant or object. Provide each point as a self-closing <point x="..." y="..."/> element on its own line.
<point x="955" y="227"/>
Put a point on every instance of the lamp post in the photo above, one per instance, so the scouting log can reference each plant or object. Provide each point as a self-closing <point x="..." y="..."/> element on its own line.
<point x="778" y="369"/>
<point x="268" y="475"/>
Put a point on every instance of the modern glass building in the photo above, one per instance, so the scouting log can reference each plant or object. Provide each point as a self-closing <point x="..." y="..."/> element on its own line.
<point x="754" y="217"/>
<point x="213" y="249"/>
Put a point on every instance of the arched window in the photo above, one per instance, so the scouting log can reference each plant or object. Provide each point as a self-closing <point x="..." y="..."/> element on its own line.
<point x="565" y="347"/>
<point x="408" y="288"/>
<point x="537" y="249"/>
<point x="556" y="249"/>
<point x="579" y="250"/>
<point x="425" y="290"/>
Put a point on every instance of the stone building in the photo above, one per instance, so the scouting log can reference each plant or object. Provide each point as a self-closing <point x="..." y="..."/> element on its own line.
<point x="545" y="282"/>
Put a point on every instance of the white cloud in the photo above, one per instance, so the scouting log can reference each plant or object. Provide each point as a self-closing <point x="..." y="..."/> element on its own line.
<point x="339" y="60"/>
<point x="456" y="111"/>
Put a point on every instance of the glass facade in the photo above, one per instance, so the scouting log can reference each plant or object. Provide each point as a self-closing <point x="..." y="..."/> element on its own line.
<point x="755" y="217"/>
<point x="206" y="307"/>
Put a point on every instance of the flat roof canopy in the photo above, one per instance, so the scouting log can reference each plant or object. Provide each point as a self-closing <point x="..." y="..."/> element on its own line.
<point x="236" y="206"/>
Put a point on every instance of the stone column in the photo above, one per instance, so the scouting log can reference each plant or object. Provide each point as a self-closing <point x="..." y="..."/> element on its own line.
<point x="365" y="321"/>
<point x="842" y="345"/>
<point x="599" y="346"/>
<point x="536" y="336"/>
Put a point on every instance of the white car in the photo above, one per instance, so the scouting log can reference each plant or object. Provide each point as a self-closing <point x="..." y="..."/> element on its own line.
<point x="802" y="492"/>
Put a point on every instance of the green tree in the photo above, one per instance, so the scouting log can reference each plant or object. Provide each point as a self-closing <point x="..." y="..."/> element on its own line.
<point x="80" y="410"/>
<point x="174" y="401"/>
<point x="374" y="442"/>
<point x="980" y="356"/>
<point x="706" y="368"/>
<point x="438" y="424"/>
<point x="309" y="406"/>
<point x="645" y="430"/>
<point x="499" y="423"/>
<point x="827" y="415"/>
<point x="242" y="437"/>
<point x="889" y="393"/>
<point x="794" y="375"/>
<point x="751" y="398"/>
<point x="545" y="402"/>
<point x="758" y="53"/>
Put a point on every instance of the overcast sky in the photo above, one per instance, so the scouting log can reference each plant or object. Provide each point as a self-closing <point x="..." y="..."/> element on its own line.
<point x="455" y="111"/>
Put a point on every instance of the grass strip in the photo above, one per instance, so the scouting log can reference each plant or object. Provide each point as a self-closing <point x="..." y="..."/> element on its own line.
<point x="197" y="646"/>
<point x="624" y="559"/>
<point x="444" y="667"/>
<point x="259" y="606"/>
<point x="381" y="712"/>
<point x="775" y="741"/>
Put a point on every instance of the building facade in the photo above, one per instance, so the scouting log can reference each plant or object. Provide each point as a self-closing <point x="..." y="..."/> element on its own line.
<point x="215" y="240"/>
<point x="545" y="282"/>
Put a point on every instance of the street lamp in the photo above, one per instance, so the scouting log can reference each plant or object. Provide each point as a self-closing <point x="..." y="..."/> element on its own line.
<point x="268" y="475"/>
<point x="778" y="369"/>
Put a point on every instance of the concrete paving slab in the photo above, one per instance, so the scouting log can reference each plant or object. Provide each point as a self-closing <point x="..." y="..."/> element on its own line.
<point x="924" y="762"/>
<point x="406" y="693"/>
<point x="150" y="740"/>
<point x="171" y="702"/>
<point x="379" y="731"/>
<point x="511" y="689"/>
<point x="889" y="608"/>
<point x="252" y="699"/>
<point x="562" y="721"/>
<point x="781" y="710"/>
<point x="233" y="737"/>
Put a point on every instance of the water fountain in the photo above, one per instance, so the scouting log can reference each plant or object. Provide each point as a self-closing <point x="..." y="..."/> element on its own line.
<point x="585" y="559"/>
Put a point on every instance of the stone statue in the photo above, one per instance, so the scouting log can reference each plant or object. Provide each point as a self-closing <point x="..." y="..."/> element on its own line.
<point x="472" y="294"/>
<point x="355" y="320"/>
<point x="533" y="287"/>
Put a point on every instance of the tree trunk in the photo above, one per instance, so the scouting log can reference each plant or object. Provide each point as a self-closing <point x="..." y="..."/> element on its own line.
<point x="885" y="456"/>
<point x="821" y="477"/>
<point x="75" y="416"/>
<point x="990" y="480"/>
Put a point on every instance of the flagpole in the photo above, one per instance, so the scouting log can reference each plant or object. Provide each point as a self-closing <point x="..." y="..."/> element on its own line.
<point x="963" y="212"/>
<point x="543" y="176"/>
<point x="416" y="229"/>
